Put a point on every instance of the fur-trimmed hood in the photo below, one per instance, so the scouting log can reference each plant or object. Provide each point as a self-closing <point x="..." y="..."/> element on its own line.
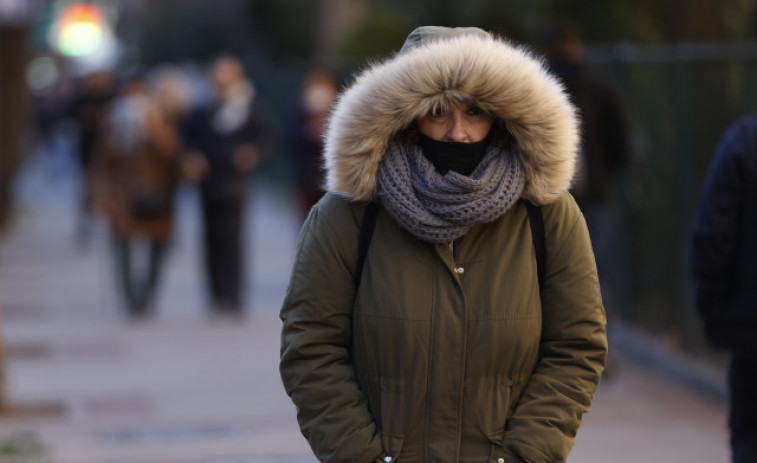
<point x="501" y="78"/>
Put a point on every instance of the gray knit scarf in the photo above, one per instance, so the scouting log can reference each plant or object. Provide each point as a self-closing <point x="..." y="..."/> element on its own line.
<point x="441" y="208"/>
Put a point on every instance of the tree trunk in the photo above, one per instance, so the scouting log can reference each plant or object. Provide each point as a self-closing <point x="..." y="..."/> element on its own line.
<point x="13" y="109"/>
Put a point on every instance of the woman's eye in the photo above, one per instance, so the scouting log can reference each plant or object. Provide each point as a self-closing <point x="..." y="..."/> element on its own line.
<point x="475" y="111"/>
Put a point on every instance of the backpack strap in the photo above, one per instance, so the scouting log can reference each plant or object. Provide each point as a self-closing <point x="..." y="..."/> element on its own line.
<point x="539" y="239"/>
<point x="364" y="239"/>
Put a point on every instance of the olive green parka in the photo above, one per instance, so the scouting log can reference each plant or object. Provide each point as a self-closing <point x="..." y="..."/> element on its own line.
<point x="447" y="352"/>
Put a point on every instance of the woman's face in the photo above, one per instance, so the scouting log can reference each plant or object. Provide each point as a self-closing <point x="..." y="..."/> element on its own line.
<point x="462" y="123"/>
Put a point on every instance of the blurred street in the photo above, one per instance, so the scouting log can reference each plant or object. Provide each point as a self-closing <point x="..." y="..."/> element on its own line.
<point x="186" y="388"/>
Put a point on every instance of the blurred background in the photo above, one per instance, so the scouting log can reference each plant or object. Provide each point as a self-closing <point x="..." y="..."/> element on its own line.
<point x="102" y="362"/>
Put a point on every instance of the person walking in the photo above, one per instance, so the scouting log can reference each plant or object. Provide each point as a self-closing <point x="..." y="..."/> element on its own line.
<point x="723" y="251"/>
<point x="225" y="141"/>
<point x="90" y="101"/>
<point x="462" y="322"/>
<point x="304" y="128"/>
<point x="605" y="144"/>
<point x="135" y="174"/>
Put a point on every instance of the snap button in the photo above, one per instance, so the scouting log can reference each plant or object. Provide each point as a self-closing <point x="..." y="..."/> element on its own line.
<point x="388" y="459"/>
<point x="460" y="270"/>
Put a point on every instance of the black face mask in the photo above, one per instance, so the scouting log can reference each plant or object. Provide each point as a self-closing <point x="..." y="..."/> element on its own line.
<point x="462" y="158"/>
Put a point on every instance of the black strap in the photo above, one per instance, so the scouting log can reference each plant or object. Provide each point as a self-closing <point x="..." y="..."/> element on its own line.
<point x="364" y="239"/>
<point x="539" y="239"/>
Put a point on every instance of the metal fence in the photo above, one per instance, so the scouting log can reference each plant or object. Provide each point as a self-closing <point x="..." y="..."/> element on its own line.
<point x="679" y="100"/>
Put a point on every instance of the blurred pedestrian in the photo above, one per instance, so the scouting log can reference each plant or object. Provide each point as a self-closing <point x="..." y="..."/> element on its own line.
<point x="723" y="252"/>
<point x="226" y="140"/>
<point x="604" y="141"/>
<point x="304" y="128"/>
<point x="51" y="93"/>
<point x="92" y="96"/>
<point x="135" y="173"/>
<point x="444" y="302"/>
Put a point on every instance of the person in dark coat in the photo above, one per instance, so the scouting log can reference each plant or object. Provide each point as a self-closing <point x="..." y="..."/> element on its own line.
<point x="604" y="137"/>
<point x="723" y="253"/>
<point x="226" y="140"/>
<point x="90" y="102"/>
<point x="305" y="127"/>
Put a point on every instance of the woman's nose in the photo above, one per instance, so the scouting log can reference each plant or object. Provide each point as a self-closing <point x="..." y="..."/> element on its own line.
<point x="457" y="132"/>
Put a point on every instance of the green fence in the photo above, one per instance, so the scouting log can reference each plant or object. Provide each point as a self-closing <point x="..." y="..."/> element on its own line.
<point x="679" y="99"/>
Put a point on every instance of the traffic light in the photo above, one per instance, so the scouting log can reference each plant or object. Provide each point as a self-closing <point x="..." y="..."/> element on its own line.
<point x="81" y="29"/>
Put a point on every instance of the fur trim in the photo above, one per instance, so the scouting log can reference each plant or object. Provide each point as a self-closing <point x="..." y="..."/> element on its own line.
<point x="501" y="78"/>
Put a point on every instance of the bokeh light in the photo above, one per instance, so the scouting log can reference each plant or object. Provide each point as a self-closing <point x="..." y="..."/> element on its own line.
<point x="42" y="74"/>
<point x="80" y="30"/>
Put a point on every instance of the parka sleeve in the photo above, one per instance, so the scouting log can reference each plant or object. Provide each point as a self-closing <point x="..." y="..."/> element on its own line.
<point x="573" y="346"/>
<point x="316" y="366"/>
<point x="716" y="231"/>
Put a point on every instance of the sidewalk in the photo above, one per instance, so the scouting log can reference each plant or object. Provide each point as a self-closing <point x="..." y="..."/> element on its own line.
<point x="185" y="389"/>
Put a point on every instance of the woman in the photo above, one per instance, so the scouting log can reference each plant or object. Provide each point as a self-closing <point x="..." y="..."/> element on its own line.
<point x="448" y="350"/>
<point x="305" y="126"/>
<point x="134" y="181"/>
